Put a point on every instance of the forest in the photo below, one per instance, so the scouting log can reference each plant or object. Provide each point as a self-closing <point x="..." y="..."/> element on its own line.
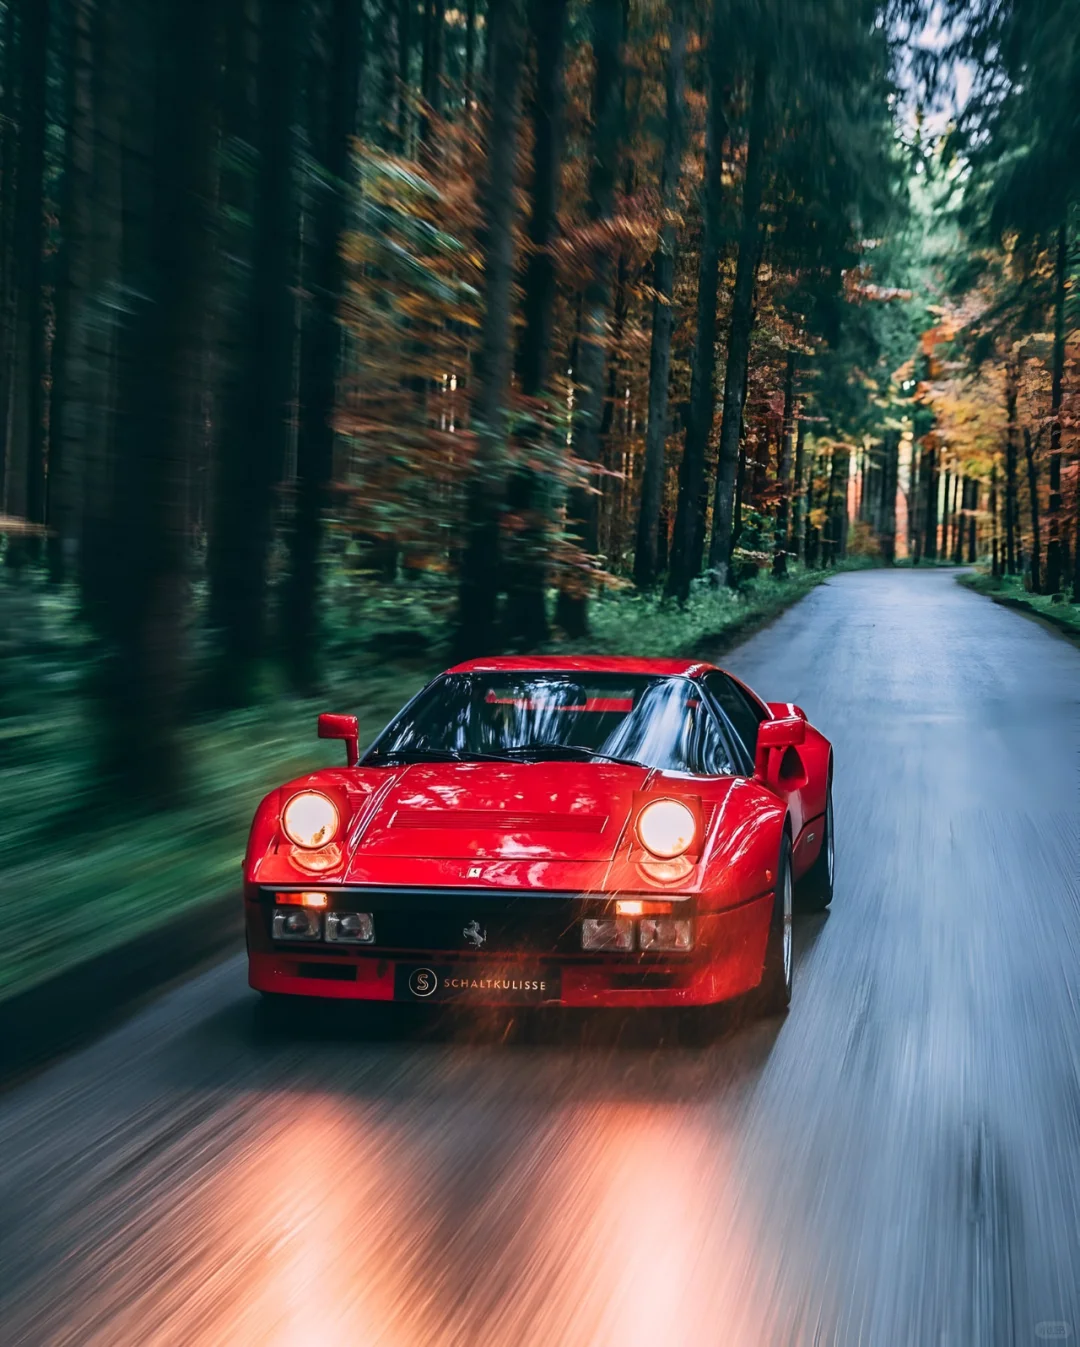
<point x="483" y="316"/>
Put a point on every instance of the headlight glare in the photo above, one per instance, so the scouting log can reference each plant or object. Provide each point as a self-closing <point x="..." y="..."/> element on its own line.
<point x="310" y="819"/>
<point x="666" y="828"/>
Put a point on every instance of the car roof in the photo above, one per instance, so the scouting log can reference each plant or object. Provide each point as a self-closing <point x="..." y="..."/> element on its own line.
<point x="625" y="664"/>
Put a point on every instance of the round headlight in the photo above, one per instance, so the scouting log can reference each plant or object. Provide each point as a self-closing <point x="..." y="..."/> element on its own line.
<point x="310" y="819"/>
<point x="666" y="828"/>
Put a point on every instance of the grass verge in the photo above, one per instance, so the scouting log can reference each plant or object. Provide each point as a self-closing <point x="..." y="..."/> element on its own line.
<point x="1009" y="591"/>
<point x="78" y="883"/>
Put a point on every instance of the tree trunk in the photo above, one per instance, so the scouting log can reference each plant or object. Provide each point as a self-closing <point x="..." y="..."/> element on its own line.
<point x="405" y="40"/>
<point x="930" y="522"/>
<point x="526" y="620"/>
<point x="890" y="483"/>
<point x="255" y="427"/>
<point x="959" y="503"/>
<point x="432" y="72"/>
<point x="165" y="249"/>
<point x="995" y="554"/>
<point x="582" y="514"/>
<point x="478" y="589"/>
<point x="914" y="544"/>
<point x="607" y="502"/>
<point x="26" y="464"/>
<point x="946" y="506"/>
<point x="810" y="549"/>
<point x="1011" y="513"/>
<point x="663" y="313"/>
<point x="1033" y="492"/>
<point x="796" y="542"/>
<point x="783" y="474"/>
<point x="469" y="90"/>
<point x="336" y="85"/>
<point x="1055" y="561"/>
<point x="9" y="149"/>
<point x="70" y="396"/>
<point x="740" y="499"/>
<point x="742" y="303"/>
<point x="973" y="534"/>
<point x="111" y="96"/>
<point x="702" y="394"/>
<point x="836" y="503"/>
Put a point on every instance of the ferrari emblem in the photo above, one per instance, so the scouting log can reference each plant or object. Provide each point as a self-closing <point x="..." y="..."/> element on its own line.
<point x="474" y="935"/>
<point x="473" y="872"/>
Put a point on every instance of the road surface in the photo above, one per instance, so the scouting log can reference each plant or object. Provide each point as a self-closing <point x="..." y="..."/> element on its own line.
<point x="897" y="1164"/>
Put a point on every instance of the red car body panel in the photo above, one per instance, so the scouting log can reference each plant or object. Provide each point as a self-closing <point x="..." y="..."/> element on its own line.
<point x="557" y="830"/>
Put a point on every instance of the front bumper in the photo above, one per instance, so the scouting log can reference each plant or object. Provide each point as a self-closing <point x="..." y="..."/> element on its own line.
<point x="531" y="938"/>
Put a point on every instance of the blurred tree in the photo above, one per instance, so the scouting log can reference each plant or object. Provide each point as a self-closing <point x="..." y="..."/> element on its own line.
<point x="481" y="563"/>
<point x="25" y="475"/>
<point x="589" y="367"/>
<point x="333" y="86"/>
<point x="663" y="316"/>
<point x="526" y="621"/>
<point x="251" y="454"/>
<point x="1019" y="133"/>
<point x="165" y="264"/>
<point x="71" y="394"/>
<point x="741" y="320"/>
<point x="699" y="417"/>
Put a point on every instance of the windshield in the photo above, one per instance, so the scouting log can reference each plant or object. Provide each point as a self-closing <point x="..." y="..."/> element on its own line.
<point x="644" y="719"/>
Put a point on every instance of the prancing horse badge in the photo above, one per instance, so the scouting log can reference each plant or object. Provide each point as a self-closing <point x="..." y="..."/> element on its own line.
<point x="474" y="935"/>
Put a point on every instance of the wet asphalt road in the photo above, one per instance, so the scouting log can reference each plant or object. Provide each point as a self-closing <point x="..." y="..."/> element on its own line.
<point x="896" y="1164"/>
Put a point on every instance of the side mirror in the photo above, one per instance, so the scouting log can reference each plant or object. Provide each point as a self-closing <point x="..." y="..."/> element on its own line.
<point x="784" y="710"/>
<point x="774" y="738"/>
<point x="342" y="727"/>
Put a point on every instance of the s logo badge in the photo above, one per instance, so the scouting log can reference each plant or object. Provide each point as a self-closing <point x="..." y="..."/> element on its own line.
<point x="473" y="872"/>
<point x="474" y="935"/>
<point x="422" y="982"/>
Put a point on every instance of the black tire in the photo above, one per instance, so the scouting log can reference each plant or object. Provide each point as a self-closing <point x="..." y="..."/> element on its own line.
<point x="815" y="890"/>
<point x="773" y="994"/>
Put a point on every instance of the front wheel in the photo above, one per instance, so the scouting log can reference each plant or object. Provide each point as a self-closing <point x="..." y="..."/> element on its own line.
<point x="773" y="995"/>
<point x="816" y="886"/>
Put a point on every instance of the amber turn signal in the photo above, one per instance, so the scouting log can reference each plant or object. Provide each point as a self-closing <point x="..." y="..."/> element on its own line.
<point x="301" y="899"/>
<point x="641" y="907"/>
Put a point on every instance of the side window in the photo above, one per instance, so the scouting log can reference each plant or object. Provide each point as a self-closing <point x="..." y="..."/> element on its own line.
<point x="714" y="757"/>
<point x="745" y="716"/>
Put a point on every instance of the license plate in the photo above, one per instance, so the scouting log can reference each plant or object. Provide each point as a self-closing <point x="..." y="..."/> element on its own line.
<point x="469" y="983"/>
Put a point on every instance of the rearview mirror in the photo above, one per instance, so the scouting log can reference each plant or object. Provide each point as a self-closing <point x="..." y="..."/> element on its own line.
<point x="342" y="727"/>
<point x="774" y="738"/>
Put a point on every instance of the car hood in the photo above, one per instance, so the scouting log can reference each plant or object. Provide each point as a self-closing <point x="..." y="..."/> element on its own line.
<point x="558" y="811"/>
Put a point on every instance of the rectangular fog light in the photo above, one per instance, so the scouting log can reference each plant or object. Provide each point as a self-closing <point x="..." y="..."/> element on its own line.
<point x="350" y="928"/>
<point x="668" y="933"/>
<point x="607" y="933"/>
<point x="297" y="923"/>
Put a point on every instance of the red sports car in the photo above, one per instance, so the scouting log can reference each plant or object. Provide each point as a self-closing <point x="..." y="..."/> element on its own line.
<point x="587" y="831"/>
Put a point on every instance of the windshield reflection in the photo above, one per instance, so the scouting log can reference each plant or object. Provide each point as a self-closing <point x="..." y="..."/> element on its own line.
<point x="658" y="722"/>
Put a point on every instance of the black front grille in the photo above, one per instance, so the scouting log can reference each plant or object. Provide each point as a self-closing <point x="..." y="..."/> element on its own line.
<point x="473" y="921"/>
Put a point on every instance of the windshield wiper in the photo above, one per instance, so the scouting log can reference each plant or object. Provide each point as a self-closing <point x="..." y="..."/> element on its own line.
<point x="438" y="755"/>
<point x="550" y="749"/>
